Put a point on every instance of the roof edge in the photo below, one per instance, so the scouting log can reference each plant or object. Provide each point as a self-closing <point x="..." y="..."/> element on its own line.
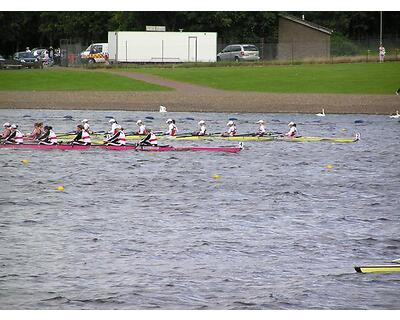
<point x="306" y="23"/>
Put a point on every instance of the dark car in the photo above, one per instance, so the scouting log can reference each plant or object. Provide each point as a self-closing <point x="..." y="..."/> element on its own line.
<point x="27" y="59"/>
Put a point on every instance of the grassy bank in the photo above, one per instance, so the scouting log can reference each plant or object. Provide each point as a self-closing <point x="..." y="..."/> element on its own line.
<point x="358" y="78"/>
<point x="70" y="80"/>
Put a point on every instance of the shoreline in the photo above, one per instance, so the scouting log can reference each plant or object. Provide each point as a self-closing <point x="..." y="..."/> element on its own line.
<point x="216" y="101"/>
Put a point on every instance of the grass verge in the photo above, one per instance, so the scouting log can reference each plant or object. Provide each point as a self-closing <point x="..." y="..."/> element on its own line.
<point x="70" y="80"/>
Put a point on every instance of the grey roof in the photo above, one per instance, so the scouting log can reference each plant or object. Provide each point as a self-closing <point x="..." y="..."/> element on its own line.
<point x="306" y="23"/>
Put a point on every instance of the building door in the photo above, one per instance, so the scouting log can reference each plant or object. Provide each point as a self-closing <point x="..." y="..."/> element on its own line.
<point x="192" y="49"/>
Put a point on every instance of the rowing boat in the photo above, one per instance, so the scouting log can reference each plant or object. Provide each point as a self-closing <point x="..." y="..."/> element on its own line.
<point x="378" y="268"/>
<point x="120" y="148"/>
<point x="270" y="138"/>
<point x="98" y="138"/>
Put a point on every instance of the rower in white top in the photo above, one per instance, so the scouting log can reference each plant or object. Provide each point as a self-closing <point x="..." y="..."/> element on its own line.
<point x="15" y="136"/>
<point x="232" y="129"/>
<point x="149" y="140"/>
<point x="172" y="129"/>
<point x="86" y="125"/>
<point x="142" y="127"/>
<point x="7" y="130"/>
<point x="118" y="139"/>
<point x="321" y="114"/>
<point x="292" y="131"/>
<point x="396" y="115"/>
<point x="114" y="124"/>
<point x="163" y="109"/>
<point x="261" y="129"/>
<point x="203" y="128"/>
<point x="82" y="136"/>
<point x="49" y="137"/>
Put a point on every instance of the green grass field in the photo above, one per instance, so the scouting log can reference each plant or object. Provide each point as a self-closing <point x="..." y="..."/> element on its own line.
<point x="70" y="80"/>
<point x="365" y="78"/>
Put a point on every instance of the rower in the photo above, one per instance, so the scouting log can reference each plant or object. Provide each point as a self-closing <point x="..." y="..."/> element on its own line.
<point x="82" y="136"/>
<point x="37" y="131"/>
<point x="292" y="131"/>
<point x="232" y="129"/>
<point x="142" y="127"/>
<point x="149" y="140"/>
<point x="114" y="124"/>
<point x="118" y="139"/>
<point x="172" y="129"/>
<point x="203" y="128"/>
<point x="261" y="129"/>
<point x="15" y="137"/>
<point x="86" y="126"/>
<point x="7" y="130"/>
<point x="49" y="137"/>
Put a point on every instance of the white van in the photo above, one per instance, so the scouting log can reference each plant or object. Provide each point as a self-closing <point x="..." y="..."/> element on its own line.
<point x="95" y="53"/>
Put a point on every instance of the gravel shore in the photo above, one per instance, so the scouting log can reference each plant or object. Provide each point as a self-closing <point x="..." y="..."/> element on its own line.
<point x="193" y="98"/>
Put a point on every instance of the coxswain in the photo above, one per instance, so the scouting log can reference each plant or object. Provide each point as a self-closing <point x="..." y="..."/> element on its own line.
<point x="172" y="129"/>
<point x="37" y="131"/>
<point x="142" y="128"/>
<point x="292" y="131"/>
<point x="15" y="137"/>
<point x="86" y="126"/>
<point x="232" y="129"/>
<point x="117" y="139"/>
<point x="6" y="131"/>
<point x="149" y="140"/>
<point x="203" y="128"/>
<point x="261" y="129"/>
<point x="49" y="137"/>
<point x="82" y="136"/>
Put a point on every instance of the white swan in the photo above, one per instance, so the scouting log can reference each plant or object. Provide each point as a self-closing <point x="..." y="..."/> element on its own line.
<point x="163" y="109"/>
<point x="321" y="114"/>
<point x="395" y="116"/>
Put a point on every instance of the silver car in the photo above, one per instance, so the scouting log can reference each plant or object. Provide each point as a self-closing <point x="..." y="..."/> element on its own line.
<point x="239" y="52"/>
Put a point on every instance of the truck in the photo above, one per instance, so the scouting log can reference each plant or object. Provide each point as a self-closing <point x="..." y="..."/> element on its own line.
<point x="161" y="47"/>
<point x="95" y="53"/>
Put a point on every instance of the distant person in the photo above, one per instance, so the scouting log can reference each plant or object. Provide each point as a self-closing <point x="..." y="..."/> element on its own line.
<point x="28" y="50"/>
<point x="118" y="138"/>
<point x="82" y="136"/>
<point x="15" y="137"/>
<point x="292" y="133"/>
<point x="172" y="129"/>
<point x="398" y="91"/>
<point x="114" y="124"/>
<point x="37" y="131"/>
<point x="49" y="137"/>
<point x="6" y="131"/>
<point x="261" y="129"/>
<point x="142" y="128"/>
<point x="382" y="53"/>
<point x="86" y="126"/>
<point x="149" y="140"/>
<point x="203" y="129"/>
<point x="232" y="129"/>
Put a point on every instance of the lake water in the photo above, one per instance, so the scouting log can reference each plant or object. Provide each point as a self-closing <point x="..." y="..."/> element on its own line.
<point x="277" y="230"/>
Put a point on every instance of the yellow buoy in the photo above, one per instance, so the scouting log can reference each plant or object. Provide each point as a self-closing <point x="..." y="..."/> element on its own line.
<point x="60" y="188"/>
<point x="25" y="161"/>
<point x="216" y="176"/>
<point x="329" y="167"/>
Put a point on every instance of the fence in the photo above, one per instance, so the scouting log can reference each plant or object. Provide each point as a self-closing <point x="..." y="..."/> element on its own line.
<point x="335" y="50"/>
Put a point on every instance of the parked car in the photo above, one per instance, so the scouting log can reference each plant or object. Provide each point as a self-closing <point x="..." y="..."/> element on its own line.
<point x="27" y="59"/>
<point x="239" y="52"/>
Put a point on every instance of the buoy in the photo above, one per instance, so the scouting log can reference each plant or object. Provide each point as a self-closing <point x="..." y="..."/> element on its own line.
<point x="344" y="129"/>
<point x="60" y="188"/>
<point x="329" y="167"/>
<point x="189" y="118"/>
<point x="232" y="119"/>
<point x="358" y="121"/>
<point x="25" y="161"/>
<point x="149" y="117"/>
<point x="216" y="176"/>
